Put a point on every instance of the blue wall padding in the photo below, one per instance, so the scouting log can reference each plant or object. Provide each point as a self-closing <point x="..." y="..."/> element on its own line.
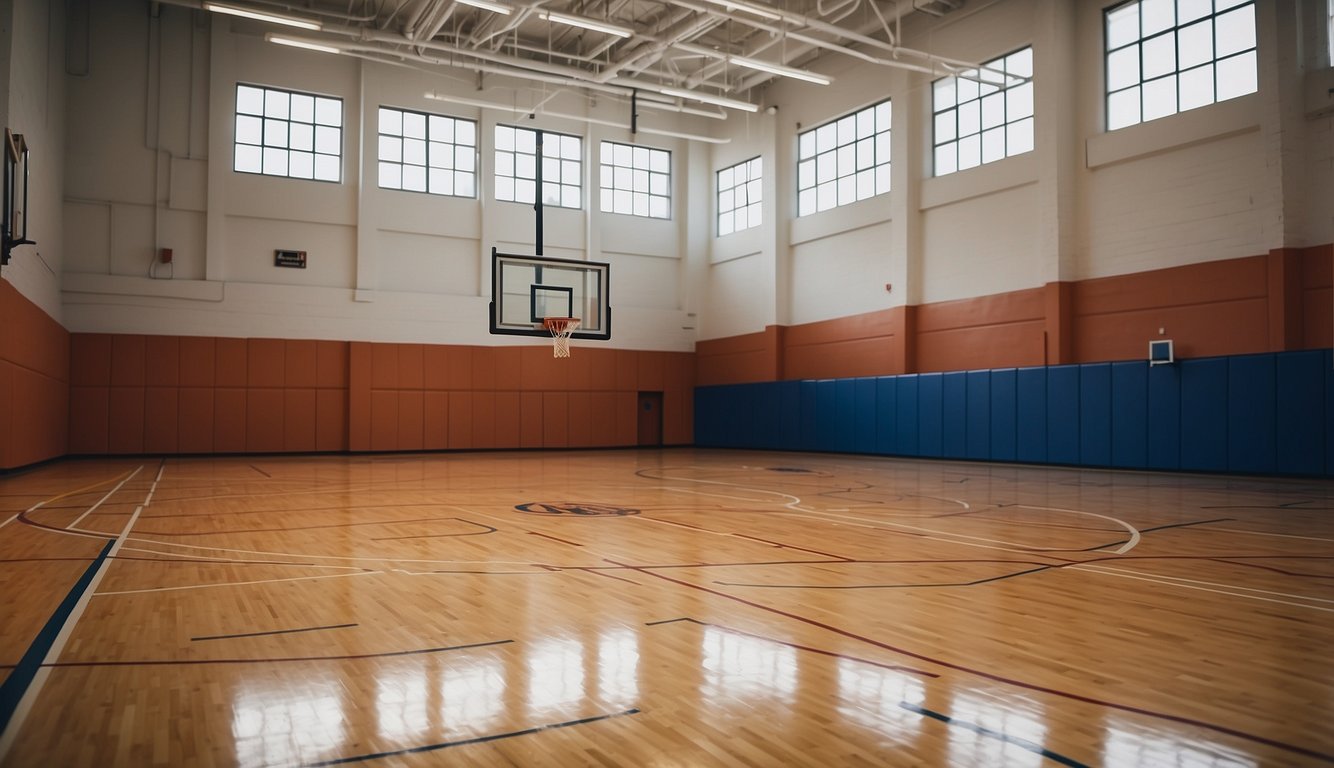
<point x="954" y="415"/>
<point x="789" y="437"/>
<point x="1163" y="430"/>
<point x="1095" y="414"/>
<point x="1204" y="414"/>
<point x="1003" y="414"/>
<point x="979" y="415"/>
<point x="826" y="409"/>
<point x="864" y="431"/>
<point x="845" y="406"/>
<point x="1251" y="414"/>
<point x="886" y="413"/>
<point x="929" y="393"/>
<point x="1328" y="365"/>
<point x="1300" y="412"/>
<point x="905" y="421"/>
<point x="810" y="416"/>
<point x="1130" y="414"/>
<point x="1031" y="415"/>
<point x="765" y="413"/>
<point x="1254" y="414"/>
<point x="1063" y="414"/>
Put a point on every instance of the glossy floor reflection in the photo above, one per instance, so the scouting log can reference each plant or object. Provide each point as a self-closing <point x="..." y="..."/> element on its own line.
<point x="660" y="608"/>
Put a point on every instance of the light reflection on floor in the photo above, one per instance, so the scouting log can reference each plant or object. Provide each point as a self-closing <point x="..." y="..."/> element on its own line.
<point x="872" y="697"/>
<point x="555" y="675"/>
<point x="736" y="665"/>
<point x="1016" y="717"/>
<point x="1131" y="743"/>
<point x="618" y="668"/>
<point x="283" y="725"/>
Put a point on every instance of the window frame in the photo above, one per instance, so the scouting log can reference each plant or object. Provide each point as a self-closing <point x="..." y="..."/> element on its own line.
<point x="537" y="191"/>
<point x="758" y="160"/>
<point x="999" y="63"/>
<point x="1174" y="31"/>
<point x="603" y="191"/>
<point x="237" y="143"/>
<point x="874" y="167"/>
<point x="426" y="164"/>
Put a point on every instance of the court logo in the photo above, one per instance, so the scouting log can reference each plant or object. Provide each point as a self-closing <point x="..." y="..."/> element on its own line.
<point x="576" y="508"/>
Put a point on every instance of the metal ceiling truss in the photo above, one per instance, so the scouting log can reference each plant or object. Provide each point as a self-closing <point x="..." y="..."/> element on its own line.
<point x="673" y="53"/>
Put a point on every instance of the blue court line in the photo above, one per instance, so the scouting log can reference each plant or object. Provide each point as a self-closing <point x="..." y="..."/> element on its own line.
<point x="477" y="740"/>
<point x="1005" y="737"/>
<point x="11" y="692"/>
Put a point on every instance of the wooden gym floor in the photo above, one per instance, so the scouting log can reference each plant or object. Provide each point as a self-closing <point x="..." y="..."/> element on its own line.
<point x="661" y="608"/>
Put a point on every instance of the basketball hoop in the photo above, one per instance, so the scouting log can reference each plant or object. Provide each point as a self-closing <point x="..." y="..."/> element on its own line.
<point x="560" y="328"/>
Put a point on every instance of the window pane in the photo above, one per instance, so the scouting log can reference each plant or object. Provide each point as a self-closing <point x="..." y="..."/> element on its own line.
<point x="391" y="148"/>
<point x="414" y="151"/>
<point x="826" y="196"/>
<point x="569" y="148"/>
<point x="1159" y="56"/>
<point x="967" y="86"/>
<point x="465" y="184"/>
<point x="248" y="129"/>
<point x="970" y="152"/>
<point x="414" y="178"/>
<point x="865" y="154"/>
<point x="806" y="145"/>
<point x="439" y="181"/>
<point x="301" y="136"/>
<point x="725" y="223"/>
<point x="1019" y="102"/>
<point x="806" y="202"/>
<point x="882" y="179"/>
<point x="1020" y="63"/>
<point x="1160" y="97"/>
<point x="1019" y="137"/>
<point x="327" y="167"/>
<point x="1236" y="76"/>
<point x="249" y="101"/>
<point x="865" y="123"/>
<point x="826" y="138"/>
<point x="276" y="104"/>
<point x="993" y="110"/>
<point x="301" y="165"/>
<point x="1189" y="10"/>
<point x="847" y="130"/>
<point x="327" y="140"/>
<point x="847" y="190"/>
<point x="1123" y="68"/>
<point x="970" y="118"/>
<point x="1123" y="108"/>
<point x="275" y="161"/>
<point x="657" y="207"/>
<point x="1195" y="44"/>
<point x="947" y="158"/>
<point x="1123" y="26"/>
<point x="1236" y="31"/>
<point x="1196" y="87"/>
<point x="275" y="133"/>
<point x="247" y="159"/>
<point x="329" y="112"/>
<point x="504" y="137"/>
<point x="504" y="188"/>
<point x="806" y="174"/>
<point x="1157" y="15"/>
<point x="414" y="125"/>
<point x="993" y="145"/>
<point x="465" y="132"/>
<point x="303" y="108"/>
<point x="439" y="128"/>
<point x="865" y="184"/>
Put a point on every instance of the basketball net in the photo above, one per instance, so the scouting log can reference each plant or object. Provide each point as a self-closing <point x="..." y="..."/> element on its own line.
<point x="561" y="328"/>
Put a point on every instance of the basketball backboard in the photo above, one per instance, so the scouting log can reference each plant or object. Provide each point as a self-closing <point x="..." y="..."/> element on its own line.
<point x="527" y="289"/>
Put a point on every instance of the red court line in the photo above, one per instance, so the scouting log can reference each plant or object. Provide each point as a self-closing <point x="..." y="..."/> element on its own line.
<point x="607" y="575"/>
<point x="991" y="675"/>
<point x="789" y="546"/>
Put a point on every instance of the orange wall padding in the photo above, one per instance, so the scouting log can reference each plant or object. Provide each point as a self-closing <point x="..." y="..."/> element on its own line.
<point x="169" y="394"/>
<point x="34" y="382"/>
<point x="1279" y="301"/>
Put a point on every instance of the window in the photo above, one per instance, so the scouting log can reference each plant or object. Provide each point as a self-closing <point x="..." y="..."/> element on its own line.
<point x="844" y="160"/>
<point x="1168" y="56"/>
<point x="636" y="180"/>
<point x="427" y="153"/>
<point x="284" y="133"/>
<point x="984" y="115"/>
<point x="1329" y="33"/>
<point x="516" y="167"/>
<point x="739" y="196"/>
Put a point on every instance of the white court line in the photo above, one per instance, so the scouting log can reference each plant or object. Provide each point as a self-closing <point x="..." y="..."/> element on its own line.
<point x="329" y="557"/>
<point x="235" y="583"/>
<point x="1108" y="569"/>
<point x="34" y="690"/>
<point x="110" y="493"/>
<point x="1262" y="533"/>
<point x="161" y="468"/>
<point x="1092" y="569"/>
<point x="232" y="560"/>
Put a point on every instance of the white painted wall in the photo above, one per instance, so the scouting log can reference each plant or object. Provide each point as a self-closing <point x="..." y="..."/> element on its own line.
<point x="34" y="105"/>
<point x="1230" y="180"/>
<point x="148" y="154"/>
<point x="151" y="168"/>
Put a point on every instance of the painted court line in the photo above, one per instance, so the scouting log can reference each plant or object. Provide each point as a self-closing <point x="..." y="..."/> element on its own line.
<point x="477" y="740"/>
<point x="109" y="494"/>
<point x="994" y="734"/>
<point x="25" y="683"/>
<point x="272" y="632"/>
<point x="1093" y="569"/>
<point x="234" y="584"/>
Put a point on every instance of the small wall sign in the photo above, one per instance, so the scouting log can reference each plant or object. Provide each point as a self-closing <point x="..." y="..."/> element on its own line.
<point x="294" y="259"/>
